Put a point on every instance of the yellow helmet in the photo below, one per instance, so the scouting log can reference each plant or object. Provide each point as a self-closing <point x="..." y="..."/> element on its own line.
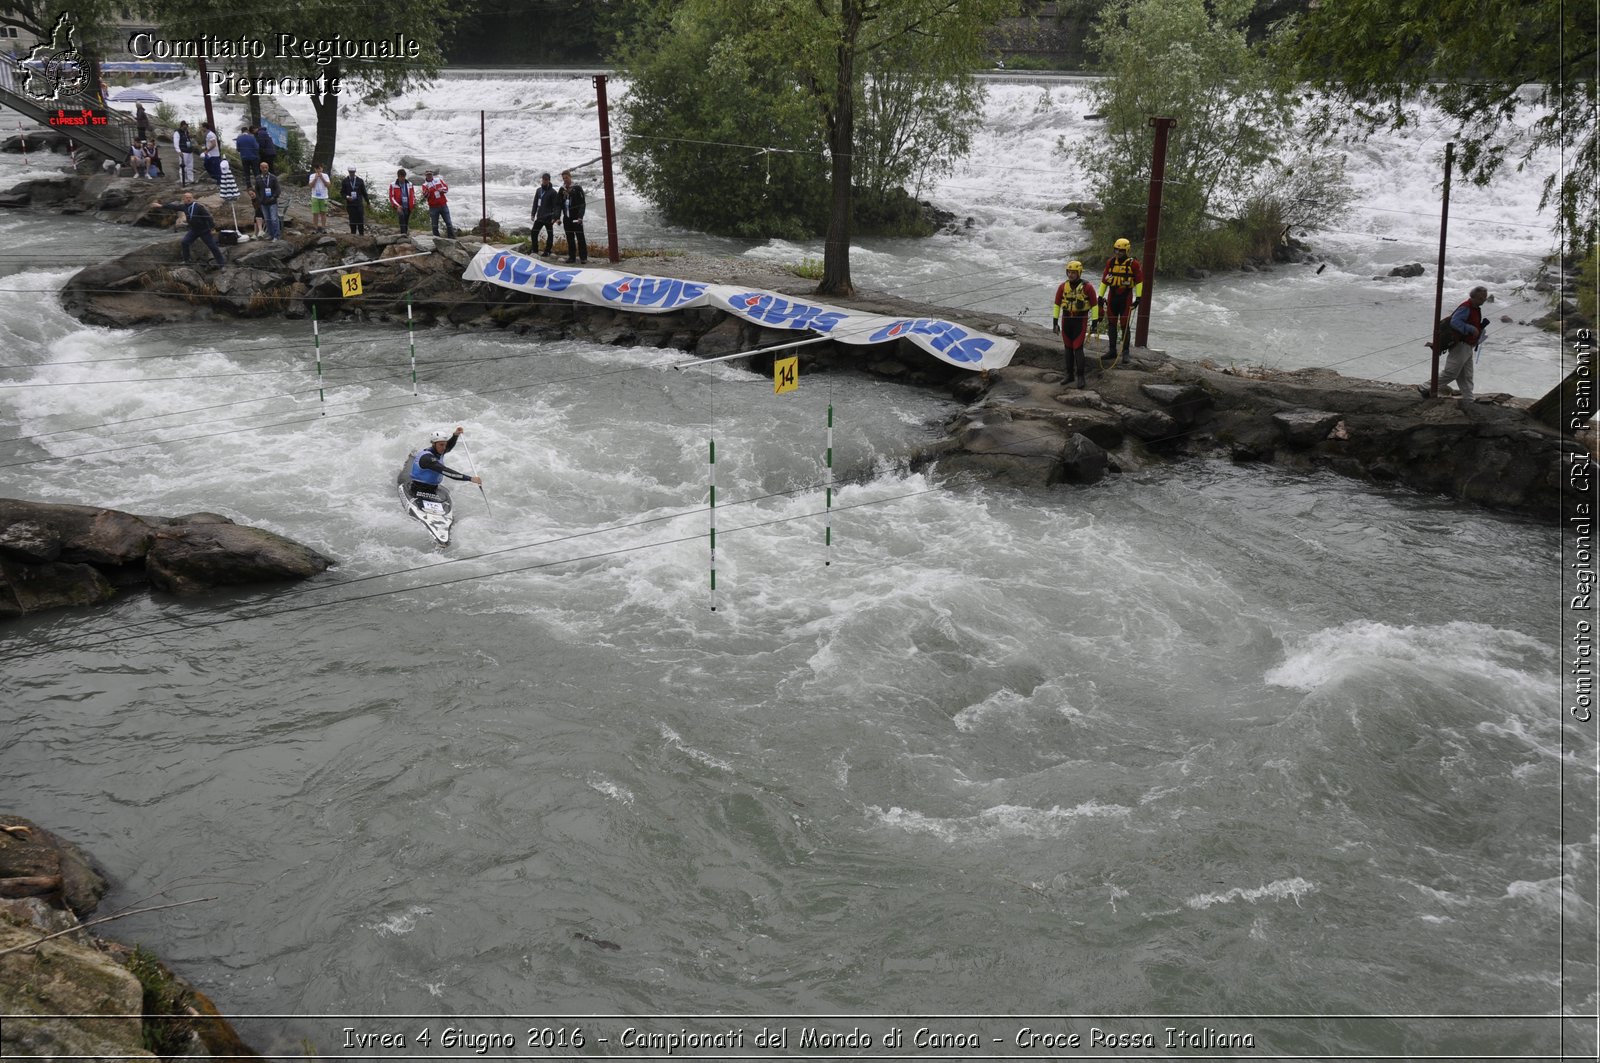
<point x="1122" y="244"/>
<point x="1074" y="266"/>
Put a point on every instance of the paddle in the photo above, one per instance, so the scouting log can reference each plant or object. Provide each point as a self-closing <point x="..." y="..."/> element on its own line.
<point x="474" y="467"/>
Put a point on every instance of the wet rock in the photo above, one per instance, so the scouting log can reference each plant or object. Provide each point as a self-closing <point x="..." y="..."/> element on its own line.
<point x="199" y="557"/>
<point x="30" y="541"/>
<point x="1413" y="269"/>
<point x="1302" y="428"/>
<point x="50" y="585"/>
<point x="1082" y="461"/>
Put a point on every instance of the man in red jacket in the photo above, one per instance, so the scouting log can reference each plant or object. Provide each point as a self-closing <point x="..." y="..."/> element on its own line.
<point x="403" y="194"/>
<point x="434" y="189"/>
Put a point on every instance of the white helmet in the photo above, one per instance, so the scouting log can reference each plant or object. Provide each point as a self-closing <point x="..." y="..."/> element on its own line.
<point x="440" y="435"/>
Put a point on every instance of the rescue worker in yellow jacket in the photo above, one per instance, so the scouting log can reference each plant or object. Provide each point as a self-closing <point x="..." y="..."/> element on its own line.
<point x="1075" y="307"/>
<point x="1121" y="289"/>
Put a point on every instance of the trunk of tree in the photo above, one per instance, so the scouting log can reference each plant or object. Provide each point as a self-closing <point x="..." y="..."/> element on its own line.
<point x="841" y="145"/>
<point x="1562" y="402"/>
<point x="255" y="99"/>
<point x="327" y="108"/>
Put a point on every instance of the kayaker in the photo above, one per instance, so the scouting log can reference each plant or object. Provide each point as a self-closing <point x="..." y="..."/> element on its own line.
<point x="426" y="468"/>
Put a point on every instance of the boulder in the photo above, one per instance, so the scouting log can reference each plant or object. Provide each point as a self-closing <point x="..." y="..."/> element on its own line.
<point x="29" y="852"/>
<point x="86" y="533"/>
<point x="1186" y="402"/>
<point x="1082" y="461"/>
<point x="30" y="541"/>
<point x="34" y="588"/>
<point x="195" y="558"/>
<point x="67" y="977"/>
<point x="1304" y="428"/>
<point x="724" y="338"/>
<point x="1414" y="269"/>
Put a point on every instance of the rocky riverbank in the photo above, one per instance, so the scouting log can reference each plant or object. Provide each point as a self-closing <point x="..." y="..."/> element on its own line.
<point x="53" y="556"/>
<point x="1021" y="424"/>
<point x="123" y="1002"/>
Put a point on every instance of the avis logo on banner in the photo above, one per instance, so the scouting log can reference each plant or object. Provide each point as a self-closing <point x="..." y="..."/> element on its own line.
<point x="952" y="341"/>
<point x="764" y="308"/>
<point x="664" y="292"/>
<point x="510" y="268"/>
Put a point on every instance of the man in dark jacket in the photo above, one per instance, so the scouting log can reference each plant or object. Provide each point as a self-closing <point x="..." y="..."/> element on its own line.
<point x="267" y="148"/>
<point x="354" y="191"/>
<point x="546" y="209"/>
<point x="268" y="192"/>
<point x="200" y="226"/>
<point x="249" y="153"/>
<point x="572" y="210"/>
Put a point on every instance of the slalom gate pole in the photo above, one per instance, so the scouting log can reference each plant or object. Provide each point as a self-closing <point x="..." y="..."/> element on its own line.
<point x="316" y="344"/>
<point x="411" y="336"/>
<point x="474" y="467"/>
<point x="713" y="518"/>
<point x="827" y="528"/>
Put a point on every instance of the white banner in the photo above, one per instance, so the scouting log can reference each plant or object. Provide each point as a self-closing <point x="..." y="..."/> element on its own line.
<point x="945" y="340"/>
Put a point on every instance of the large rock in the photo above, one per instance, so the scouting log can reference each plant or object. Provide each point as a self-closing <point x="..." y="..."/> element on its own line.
<point x="31" y="856"/>
<point x="66" y="977"/>
<point x="1303" y="428"/>
<point x="26" y="588"/>
<point x="1082" y="461"/>
<point x="86" y="533"/>
<point x="197" y="557"/>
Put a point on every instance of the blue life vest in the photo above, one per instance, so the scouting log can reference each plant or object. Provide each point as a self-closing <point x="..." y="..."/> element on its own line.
<point x="431" y="477"/>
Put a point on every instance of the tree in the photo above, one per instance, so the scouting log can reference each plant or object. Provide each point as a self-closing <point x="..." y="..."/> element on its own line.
<point x="326" y="32"/>
<point x="794" y="71"/>
<point x="832" y="41"/>
<point x="1515" y="79"/>
<point x="1193" y="61"/>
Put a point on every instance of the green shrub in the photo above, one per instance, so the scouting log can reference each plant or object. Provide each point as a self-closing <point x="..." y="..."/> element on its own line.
<point x="167" y="1029"/>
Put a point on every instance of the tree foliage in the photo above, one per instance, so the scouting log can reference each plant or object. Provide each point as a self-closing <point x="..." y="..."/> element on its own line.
<point x="1192" y="61"/>
<point x="1514" y="78"/>
<point x="427" y="22"/>
<point x="808" y="65"/>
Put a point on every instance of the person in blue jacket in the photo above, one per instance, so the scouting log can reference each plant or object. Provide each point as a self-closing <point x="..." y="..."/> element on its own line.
<point x="249" y="153"/>
<point x="427" y="471"/>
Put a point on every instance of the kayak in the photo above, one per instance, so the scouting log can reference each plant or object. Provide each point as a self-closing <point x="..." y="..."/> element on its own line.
<point x="433" y="507"/>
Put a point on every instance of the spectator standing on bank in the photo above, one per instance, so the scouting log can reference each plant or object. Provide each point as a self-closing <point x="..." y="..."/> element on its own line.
<point x="435" y="191"/>
<point x="142" y="121"/>
<point x="320" y="186"/>
<point x="354" y="191"/>
<point x="1075" y="306"/>
<point x="403" y="195"/>
<point x="200" y="226"/>
<point x="249" y="154"/>
<point x="1468" y="324"/>
<point x="183" y="147"/>
<point x="267" y="148"/>
<point x="572" y="211"/>
<point x="211" y="156"/>
<point x="269" y="193"/>
<point x="1121" y="291"/>
<point x="546" y="209"/>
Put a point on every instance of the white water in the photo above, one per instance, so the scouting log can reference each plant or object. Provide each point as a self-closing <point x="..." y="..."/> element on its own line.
<point x="1206" y="740"/>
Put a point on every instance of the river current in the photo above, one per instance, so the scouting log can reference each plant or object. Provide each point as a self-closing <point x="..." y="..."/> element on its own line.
<point x="1202" y="747"/>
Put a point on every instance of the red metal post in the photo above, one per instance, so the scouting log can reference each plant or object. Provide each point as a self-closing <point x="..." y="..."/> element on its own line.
<point x="605" y="169"/>
<point x="205" y="87"/>
<point x="483" y="176"/>
<point x="1152" y="227"/>
<point x="1438" y="285"/>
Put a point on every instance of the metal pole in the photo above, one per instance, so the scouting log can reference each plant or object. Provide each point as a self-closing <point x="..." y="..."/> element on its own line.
<point x="412" y="337"/>
<point x="713" y="519"/>
<point x="205" y="87"/>
<point x="827" y="534"/>
<point x="483" y="178"/>
<point x="695" y="363"/>
<point x="1152" y="227"/>
<point x="316" y="344"/>
<point x="605" y="169"/>
<point x="1438" y="284"/>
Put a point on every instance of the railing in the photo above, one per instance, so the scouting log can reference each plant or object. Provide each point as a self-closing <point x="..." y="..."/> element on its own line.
<point x="113" y="139"/>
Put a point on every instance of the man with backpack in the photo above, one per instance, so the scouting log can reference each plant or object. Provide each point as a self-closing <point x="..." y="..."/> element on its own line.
<point x="1461" y="335"/>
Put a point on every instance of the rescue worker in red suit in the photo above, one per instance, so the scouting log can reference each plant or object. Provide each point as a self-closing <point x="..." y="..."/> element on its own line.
<point x="1075" y="307"/>
<point x="1121" y="291"/>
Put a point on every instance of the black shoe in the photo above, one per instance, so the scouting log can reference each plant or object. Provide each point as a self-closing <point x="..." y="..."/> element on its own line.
<point x="572" y="261"/>
<point x="1082" y="383"/>
<point x="1424" y="391"/>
